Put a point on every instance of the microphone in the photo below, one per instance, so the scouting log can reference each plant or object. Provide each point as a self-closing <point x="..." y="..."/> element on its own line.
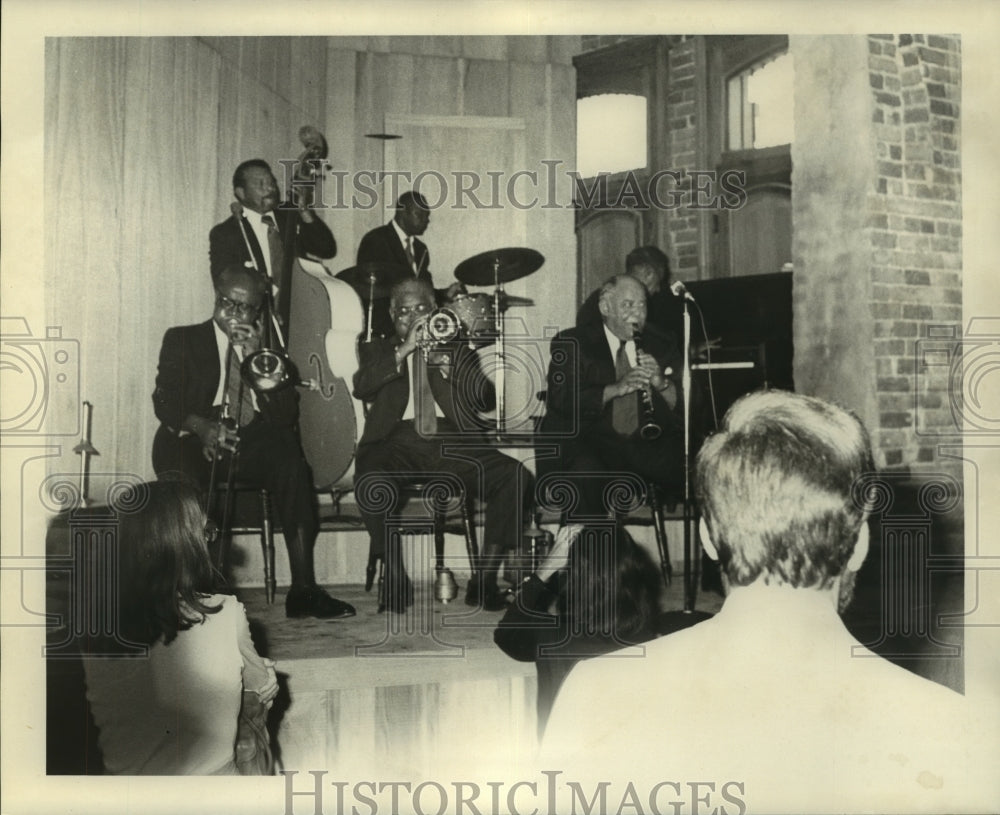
<point x="678" y="289"/>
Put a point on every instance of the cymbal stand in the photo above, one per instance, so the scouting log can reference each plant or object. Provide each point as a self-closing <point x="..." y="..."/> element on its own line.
<point x="499" y="356"/>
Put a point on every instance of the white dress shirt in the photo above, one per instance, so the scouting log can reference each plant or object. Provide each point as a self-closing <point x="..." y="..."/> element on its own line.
<point x="614" y="343"/>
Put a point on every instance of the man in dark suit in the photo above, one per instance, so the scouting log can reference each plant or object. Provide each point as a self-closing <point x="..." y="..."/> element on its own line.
<point x="191" y="387"/>
<point x="424" y="417"/>
<point x="273" y="234"/>
<point x="651" y="267"/>
<point x="397" y="243"/>
<point x="595" y="405"/>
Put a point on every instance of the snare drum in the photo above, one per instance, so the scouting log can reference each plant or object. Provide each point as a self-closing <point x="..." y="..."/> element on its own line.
<point x="476" y="313"/>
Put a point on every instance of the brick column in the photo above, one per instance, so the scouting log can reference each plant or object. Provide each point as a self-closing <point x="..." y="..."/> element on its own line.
<point x="877" y="220"/>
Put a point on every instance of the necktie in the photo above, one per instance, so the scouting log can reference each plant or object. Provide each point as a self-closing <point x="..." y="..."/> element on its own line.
<point x="624" y="409"/>
<point x="424" y="415"/>
<point x="275" y="248"/>
<point x="409" y="253"/>
<point x="239" y="398"/>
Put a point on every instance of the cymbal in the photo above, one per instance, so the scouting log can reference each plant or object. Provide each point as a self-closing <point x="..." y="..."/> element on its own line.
<point x="511" y="263"/>
<point x="383" y="275"/>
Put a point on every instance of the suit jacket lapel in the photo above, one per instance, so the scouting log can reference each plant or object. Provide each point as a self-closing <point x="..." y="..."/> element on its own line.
<point x="203" y="357"/>
<point x="599" y="350"/>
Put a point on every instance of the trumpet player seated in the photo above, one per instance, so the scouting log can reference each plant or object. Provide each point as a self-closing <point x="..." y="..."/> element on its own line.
<point x="425" y="401"/>
<point x="614" y="400"/>
<point x="207" y="411"/>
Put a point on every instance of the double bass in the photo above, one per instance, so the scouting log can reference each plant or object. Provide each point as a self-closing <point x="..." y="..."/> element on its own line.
<point x="327" y="317"/>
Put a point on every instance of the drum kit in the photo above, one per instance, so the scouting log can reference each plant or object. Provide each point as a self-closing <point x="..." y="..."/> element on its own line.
<point x="477" y="318"/>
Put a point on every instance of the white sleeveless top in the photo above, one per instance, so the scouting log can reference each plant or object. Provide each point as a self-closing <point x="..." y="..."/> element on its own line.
<point x="174" y="712"/>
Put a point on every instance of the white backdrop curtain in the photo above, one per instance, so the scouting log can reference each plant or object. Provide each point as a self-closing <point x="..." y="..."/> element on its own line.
<point x="141" y="139"/>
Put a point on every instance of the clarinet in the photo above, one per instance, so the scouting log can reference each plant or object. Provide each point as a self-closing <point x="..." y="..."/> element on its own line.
<point x="648" y="428"/>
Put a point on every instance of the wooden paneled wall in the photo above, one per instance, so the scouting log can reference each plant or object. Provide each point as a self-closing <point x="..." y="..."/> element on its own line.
<point x="232" y="98"/>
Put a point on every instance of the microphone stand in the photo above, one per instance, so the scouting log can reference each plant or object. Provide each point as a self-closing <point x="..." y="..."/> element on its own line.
<point x="499" y="353"/>
<point x="688" y="520"/>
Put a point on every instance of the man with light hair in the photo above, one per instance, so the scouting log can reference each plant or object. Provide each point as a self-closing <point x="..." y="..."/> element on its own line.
<point x="772" y="705"/>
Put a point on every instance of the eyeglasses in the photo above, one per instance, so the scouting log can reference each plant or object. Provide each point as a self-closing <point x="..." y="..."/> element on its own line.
<point x="406" y="311"/>
<point x="211" y="533"/>
<point x="241" y="310"/>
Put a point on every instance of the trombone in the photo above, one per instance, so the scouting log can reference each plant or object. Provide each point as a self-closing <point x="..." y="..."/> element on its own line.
<point x="269" y="368"/>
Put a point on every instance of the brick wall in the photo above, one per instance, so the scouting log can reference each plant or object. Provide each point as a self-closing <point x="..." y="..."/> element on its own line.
<point x="915" y="233"/>
<point x="682" y="223"/>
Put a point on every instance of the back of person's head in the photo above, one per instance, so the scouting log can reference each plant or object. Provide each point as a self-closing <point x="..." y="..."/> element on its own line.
<point x="776" y="487"/>
<point x="165" y="570"/>
<point x="611" y="583"/>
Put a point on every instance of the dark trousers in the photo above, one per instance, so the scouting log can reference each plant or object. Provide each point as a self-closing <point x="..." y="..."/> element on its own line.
<point x="590" y="464"/>
<point x="270" y="457"/>
<point x="485" y="473"/>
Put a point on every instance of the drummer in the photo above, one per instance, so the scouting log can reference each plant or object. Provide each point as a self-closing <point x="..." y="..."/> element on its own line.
<point x="397" y="244"/>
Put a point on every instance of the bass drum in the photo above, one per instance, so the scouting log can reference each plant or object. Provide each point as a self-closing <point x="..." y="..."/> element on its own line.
<point x="326" y="319"/>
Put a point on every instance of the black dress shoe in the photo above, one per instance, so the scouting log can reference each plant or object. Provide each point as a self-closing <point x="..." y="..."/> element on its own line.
<point x="312" y="601"/>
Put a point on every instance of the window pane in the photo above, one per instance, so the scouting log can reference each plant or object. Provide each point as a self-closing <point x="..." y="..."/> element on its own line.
<point x="610" y="134"/>
<point x="760" y="105"/>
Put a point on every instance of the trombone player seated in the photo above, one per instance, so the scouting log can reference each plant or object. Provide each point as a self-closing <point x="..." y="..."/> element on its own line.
<point x="614" y="400"/>
<point x="198" y="378"/>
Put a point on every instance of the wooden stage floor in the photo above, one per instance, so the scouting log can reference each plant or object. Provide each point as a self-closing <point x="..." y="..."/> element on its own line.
<point x="427" y="627"/>
<point x="421" y="695"/>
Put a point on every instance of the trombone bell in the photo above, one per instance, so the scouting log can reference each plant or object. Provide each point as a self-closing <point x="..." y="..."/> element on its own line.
<point x="266" y="370"/>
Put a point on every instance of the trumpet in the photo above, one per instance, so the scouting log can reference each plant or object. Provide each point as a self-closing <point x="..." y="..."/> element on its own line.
<point x="443" y="325"/>
<point x="649" y="429"/>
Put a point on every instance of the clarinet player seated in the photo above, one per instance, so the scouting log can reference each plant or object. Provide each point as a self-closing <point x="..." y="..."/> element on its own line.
<point x="197" y="375"/>
<point x="614" y="400"/>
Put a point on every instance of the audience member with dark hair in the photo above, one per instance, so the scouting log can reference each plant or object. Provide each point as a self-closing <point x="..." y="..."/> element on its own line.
<point x="595" y="592"/>
<point x="773" y="699"/>
<point x="171" y="707"/>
